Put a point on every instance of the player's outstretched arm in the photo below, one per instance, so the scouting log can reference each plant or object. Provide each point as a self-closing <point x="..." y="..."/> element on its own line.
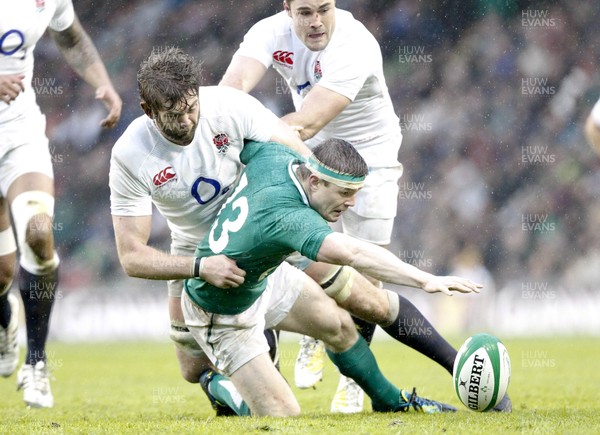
<point x="81" y="54"/>
<point x="243" y="73"/>
<point x="142" y="261"/>
<point x="338" y="248"/>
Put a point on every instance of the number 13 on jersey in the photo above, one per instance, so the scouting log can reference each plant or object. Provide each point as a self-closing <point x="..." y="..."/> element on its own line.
<point x="229" y="225"/>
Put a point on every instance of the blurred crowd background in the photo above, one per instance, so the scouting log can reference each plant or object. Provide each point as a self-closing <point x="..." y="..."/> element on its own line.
<point x="498" y="181"/>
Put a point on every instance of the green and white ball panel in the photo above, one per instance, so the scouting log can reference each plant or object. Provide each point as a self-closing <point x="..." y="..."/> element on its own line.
<point x="481" y="372"/>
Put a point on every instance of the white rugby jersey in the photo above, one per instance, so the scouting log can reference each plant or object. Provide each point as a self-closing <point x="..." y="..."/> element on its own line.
<point x="187" y="184"/>
<point x="350" y="65"/>
<point x="22" y="24"/>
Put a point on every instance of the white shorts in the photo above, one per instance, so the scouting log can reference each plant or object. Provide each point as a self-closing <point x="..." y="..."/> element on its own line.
<point x="23" y="149"/>
<point x="230" y="341"/>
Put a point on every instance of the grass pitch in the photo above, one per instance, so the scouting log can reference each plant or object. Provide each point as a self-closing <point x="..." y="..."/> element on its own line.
<point x="136" y="388"/>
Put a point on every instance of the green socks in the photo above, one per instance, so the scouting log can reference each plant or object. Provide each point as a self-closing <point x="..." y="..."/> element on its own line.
<point x="223" y="390"/>
<point x="359" y="363"/>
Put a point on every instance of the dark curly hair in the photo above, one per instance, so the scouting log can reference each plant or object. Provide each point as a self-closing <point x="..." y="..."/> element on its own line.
<point x="167" y="77"/>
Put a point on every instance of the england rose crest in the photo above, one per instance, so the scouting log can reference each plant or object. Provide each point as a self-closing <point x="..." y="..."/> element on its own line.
<point x="318" y="72"/>
<point x="221" y="141"/>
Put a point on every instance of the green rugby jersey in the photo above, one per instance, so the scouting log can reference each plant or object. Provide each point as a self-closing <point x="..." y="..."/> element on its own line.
<point x="265" y="219"/>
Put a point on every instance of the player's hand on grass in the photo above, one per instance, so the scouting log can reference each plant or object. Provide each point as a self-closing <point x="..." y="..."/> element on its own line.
<point x="448" y="284"/>
<point x="222" y="272"/>
<point x="113" y="104"/>
<point x="11" y="86"/>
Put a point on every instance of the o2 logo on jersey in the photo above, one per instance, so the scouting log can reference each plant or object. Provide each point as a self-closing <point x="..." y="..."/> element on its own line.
<point x="204" y="190"/>
<point x="11" y="42"/>
<point x="230" y="226"/>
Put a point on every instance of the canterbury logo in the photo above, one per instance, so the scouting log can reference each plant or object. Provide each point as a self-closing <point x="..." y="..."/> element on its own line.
<point x="163" y="176"/>
<point x="284" y="57"/>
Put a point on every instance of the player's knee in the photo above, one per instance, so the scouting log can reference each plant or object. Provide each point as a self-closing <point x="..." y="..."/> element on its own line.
<point x="192" y="360"/>
<point x="293" y="410"/>
<point x="189" y="373"/>
<point x="32" y="215"/>
<point x="38" y="236"/>
<point x="374" y="310"/>
<point x="357" y="294"/>
<point x="348" y="331"/>
<point x="191" y="367"/>
<point x="340" y="332"/>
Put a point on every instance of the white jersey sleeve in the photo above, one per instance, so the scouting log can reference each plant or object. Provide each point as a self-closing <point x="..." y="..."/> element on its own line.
<point x="128" y="194"/>
<point x="63" y="16"/>
<point x="259" y="41"/>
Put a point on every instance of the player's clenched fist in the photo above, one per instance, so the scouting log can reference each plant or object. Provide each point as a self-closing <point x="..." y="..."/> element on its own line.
<point x="11" y="86"/>
<point x="222" y="272"/>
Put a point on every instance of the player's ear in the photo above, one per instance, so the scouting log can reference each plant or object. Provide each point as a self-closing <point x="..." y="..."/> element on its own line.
<point x="147" y="110"/>
<point x="286" y="7"/>
<point x="313" y="182"/>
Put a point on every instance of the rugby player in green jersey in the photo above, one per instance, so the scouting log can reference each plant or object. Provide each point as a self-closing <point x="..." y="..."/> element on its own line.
<point x="283" y="204"/>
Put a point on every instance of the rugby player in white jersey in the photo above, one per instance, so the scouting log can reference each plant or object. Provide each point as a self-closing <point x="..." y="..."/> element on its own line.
<point x="333" y="67"/>
<point x="183" y="157"/>
<point x="26" y="179"/>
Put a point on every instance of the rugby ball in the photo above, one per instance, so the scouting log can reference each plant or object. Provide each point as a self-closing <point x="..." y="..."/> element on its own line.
<point x="481" y="372"/>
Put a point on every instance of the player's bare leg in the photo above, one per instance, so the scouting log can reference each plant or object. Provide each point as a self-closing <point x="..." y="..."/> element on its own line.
<point x="349" y="397"/>
<point x="369" y="304"/>
<point x="31" y="198"/>
<point x="392" y="312"/>
<point x="264" y="389"/>
<point x="191" y="364"/>
<point x="195" y="367"/>
<point x="315" y="314"/>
